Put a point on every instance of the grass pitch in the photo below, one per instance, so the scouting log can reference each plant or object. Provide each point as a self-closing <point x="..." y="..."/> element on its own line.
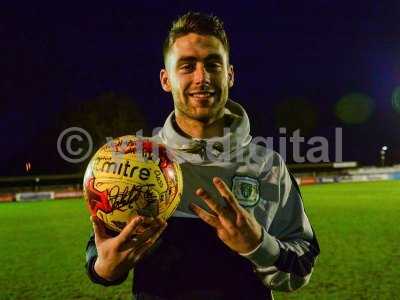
<point x="42" y="246"/>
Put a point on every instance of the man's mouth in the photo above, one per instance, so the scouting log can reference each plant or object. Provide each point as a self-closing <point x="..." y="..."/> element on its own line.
<point x="202" y="94"/>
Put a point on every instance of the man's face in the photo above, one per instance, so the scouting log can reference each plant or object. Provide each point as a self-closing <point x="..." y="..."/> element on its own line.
<point x="198" y="76"/>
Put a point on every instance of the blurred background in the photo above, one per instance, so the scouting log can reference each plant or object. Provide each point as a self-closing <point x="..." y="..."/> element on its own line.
<point x="328" y="70"/>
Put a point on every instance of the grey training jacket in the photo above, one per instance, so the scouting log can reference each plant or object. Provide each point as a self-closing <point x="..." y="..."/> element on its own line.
<point x="189" y="261"/>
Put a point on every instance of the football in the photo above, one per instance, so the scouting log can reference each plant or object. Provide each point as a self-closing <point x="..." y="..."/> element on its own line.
<point x="132" y="176"/>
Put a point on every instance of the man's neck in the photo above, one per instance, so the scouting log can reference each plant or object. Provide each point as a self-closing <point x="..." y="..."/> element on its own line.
<point x="199" y="129"/>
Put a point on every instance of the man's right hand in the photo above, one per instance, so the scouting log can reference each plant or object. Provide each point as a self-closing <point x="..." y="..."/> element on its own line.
<point x="117" y="255"/>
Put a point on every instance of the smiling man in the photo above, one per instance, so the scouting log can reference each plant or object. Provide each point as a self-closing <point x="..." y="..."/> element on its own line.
<point x="240" y="230"/>
<point x="199" y="76"/>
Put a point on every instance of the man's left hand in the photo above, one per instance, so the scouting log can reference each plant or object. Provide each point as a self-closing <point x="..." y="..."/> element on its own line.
<point x="237" y="228"/>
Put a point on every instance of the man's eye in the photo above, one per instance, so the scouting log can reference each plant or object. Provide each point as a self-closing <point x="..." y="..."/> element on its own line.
<point x="186" y="67"/>
<point x="214" y="65"/>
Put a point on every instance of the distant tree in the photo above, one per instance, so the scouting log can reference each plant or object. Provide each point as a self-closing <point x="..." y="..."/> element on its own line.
<point x="294" y="113"/>
<point x="108" y="115"/>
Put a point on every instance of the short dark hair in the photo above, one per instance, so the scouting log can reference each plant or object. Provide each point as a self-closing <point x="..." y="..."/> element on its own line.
<point x="196" y="22"/>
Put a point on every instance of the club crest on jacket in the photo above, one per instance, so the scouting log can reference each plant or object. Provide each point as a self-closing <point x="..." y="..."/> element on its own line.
<point x="246" y="190"/>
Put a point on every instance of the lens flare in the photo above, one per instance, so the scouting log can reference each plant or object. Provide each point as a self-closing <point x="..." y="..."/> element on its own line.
<point x="354" y="108"/>
<point x="396" y="99"/>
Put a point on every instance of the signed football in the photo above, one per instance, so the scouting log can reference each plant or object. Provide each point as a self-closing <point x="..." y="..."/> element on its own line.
<point x="132" y="176"/>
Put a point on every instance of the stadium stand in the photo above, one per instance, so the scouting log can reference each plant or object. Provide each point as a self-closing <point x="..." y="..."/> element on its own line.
<point x="32" y="188"/>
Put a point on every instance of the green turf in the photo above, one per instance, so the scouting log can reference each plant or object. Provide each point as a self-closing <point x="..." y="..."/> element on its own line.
<point x="42" y="246"/>
<point x="357" y="225"/>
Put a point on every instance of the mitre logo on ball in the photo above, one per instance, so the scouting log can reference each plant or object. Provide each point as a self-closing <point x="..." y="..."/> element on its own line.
<point x="132" y="176"/>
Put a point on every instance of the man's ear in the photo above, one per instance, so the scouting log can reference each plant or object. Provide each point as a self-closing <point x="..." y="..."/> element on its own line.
<point x="231" y="76"/>
<point x="165" y="84"/>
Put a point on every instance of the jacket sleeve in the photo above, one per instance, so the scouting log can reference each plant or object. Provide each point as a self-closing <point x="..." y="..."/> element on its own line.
<point x="91" y="256"/>
<point x="285" y="259"/>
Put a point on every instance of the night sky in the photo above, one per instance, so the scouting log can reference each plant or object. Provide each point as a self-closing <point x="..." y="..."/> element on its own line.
<point x="294" y="61"/>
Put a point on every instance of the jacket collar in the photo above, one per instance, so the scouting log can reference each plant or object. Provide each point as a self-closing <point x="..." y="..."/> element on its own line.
<point x="203" y="150"/>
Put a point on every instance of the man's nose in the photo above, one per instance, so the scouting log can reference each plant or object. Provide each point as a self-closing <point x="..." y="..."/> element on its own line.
<point x="201" y="76"/>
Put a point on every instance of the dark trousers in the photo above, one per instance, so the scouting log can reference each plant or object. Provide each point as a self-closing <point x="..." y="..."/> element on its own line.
<point x="190" y="262"/>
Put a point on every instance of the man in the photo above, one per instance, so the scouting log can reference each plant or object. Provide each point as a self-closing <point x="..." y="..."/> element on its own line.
<point x="240" y="230"/>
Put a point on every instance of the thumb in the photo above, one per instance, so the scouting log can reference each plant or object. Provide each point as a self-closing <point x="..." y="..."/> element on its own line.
<point x="98" y="229"/>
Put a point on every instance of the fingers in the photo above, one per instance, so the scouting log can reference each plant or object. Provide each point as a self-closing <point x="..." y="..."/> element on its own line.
<point x="211" y="203"/>
<point x="98" y="229"/>
<point x="150" y="234"/>
<point x="140" y="252"/>
<point x="154" y="237"/>
<point x="148" y="222"/>
<point x="210" y="219"/>
<point x="126" y="233"/>
<point x="226" y="193"/>
<point x="152" y="231"/>
<point x="147" y="242"/>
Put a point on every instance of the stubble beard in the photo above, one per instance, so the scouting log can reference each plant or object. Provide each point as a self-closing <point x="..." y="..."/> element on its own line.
<point x="216" y="112"/>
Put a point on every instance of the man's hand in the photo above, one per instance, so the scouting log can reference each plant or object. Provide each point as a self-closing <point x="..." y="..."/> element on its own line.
<point x="238" y="229"/>
<point x="117" y="255"/>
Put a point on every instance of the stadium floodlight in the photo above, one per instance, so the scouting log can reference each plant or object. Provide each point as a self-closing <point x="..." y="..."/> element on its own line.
<point x="383" y="154"/>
